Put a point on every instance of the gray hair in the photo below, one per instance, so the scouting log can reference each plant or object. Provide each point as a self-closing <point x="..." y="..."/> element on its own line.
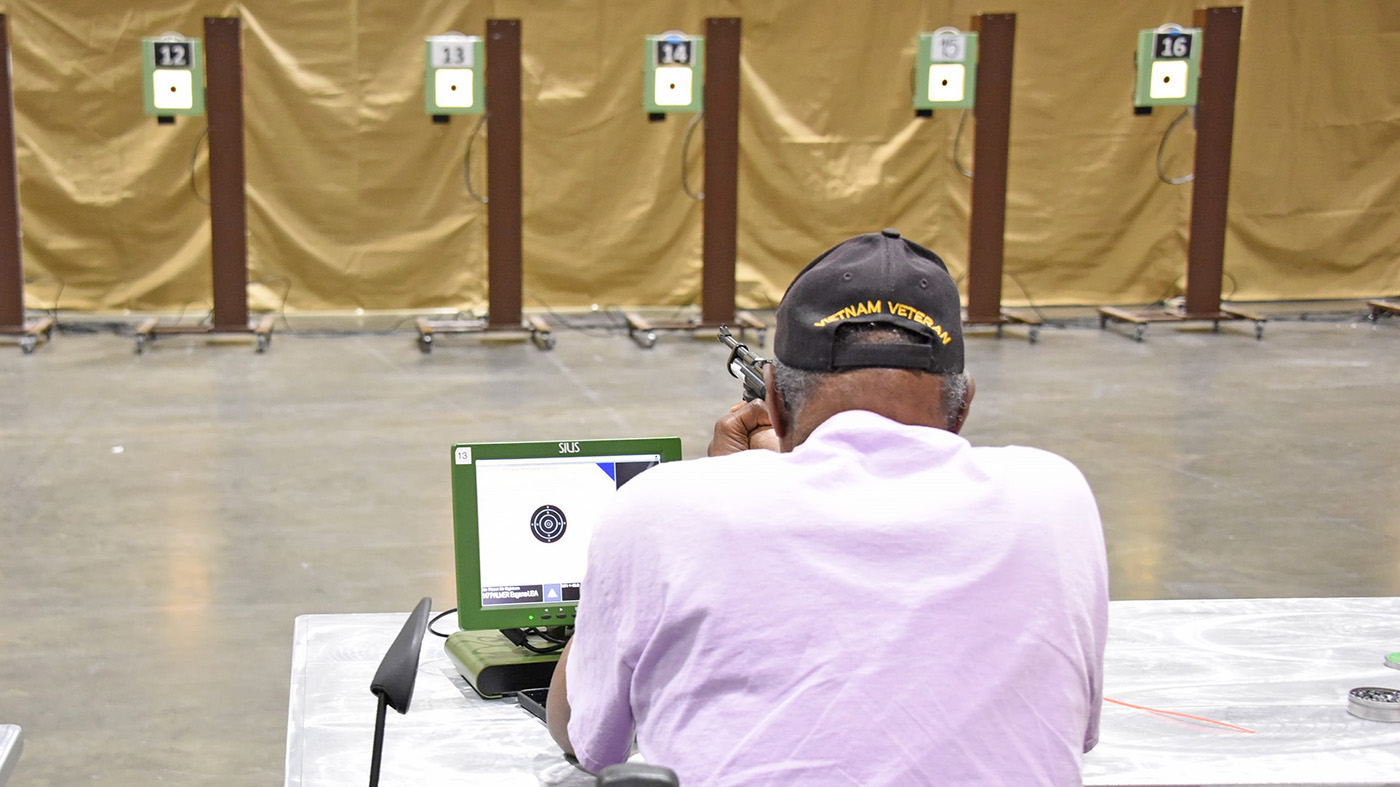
<point x="796" y="387"/>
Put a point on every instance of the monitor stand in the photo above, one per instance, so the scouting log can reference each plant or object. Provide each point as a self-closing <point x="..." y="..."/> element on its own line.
<point x="494" y="667"/>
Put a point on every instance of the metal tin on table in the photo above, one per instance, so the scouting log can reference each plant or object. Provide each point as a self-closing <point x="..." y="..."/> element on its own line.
<point x="1374" y="703"/>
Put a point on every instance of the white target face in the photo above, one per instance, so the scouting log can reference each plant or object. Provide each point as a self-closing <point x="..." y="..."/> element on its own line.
<point x="674" y="86"/>
<point x="452" y="87"/>
<point x="1168" y="79"/>
<point x="172" y="89"/>
<point x="946" y="81"/>
<point x="548" y="524"/>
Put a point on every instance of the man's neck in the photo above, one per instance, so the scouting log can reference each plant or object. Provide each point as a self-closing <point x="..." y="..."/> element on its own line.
<point x="903" y="396"/>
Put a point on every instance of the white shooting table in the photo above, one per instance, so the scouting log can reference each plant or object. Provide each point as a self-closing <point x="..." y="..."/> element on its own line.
<point x="1280" y="667"/>
<point x="11" y="744"/>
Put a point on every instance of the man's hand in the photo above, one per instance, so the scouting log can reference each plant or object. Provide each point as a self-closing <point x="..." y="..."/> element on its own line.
<point x="746" y="426"/>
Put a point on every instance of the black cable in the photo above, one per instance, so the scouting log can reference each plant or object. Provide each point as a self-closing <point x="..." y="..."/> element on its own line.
<point x="586" y="330"/>
<point x="194" y="154"/>
<point x="331" y="334"/>
<point x="1030" y="302"/>
<point x="440" y="616"/>
<point x="561" y="639"/>
<point x="519" y="638"/>
<point x="54" y="311"/>
<point x="467" y="160"/>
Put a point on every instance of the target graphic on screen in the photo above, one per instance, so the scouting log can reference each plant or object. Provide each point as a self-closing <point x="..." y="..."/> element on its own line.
<point x="548" y="524"/>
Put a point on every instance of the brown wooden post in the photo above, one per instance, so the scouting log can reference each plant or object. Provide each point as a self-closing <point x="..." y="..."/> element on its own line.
<point x="721" y="206"/>
<point x="228" y="218"/>
<point x="11" y="269"/>
<point x="503" y="174"/>
<point x="1215" y="128"/>
<point x="996" y="39"/>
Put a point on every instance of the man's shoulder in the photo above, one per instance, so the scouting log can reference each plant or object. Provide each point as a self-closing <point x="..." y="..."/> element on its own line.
<point x="1031" y="468"/>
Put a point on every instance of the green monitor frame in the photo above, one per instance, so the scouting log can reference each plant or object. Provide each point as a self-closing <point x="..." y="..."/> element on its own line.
<point x="473" y="614"/>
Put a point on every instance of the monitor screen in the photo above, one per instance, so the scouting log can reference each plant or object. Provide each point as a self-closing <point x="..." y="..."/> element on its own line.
<point x="524" y="514"/>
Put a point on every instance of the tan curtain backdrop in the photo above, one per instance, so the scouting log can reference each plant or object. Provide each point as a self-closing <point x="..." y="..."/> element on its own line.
<point x="355" y="199"/>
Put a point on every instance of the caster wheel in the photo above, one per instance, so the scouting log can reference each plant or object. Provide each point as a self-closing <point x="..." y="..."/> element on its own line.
<point x="546" y="343"/>
<point x="263" y="341"/>
<point x="48" y="334"/>
<point x="140" y="344"/>
<point x="762" y="336"/>
<point x="27" y="344"/>
<point x="1035" y="334"/>
<point x="1139" y="332"/>
<point x="425" y="344"/>
<point x="1103" y="321"/>
<point x="1215" y="326"/>
<point x="1258" y="331"/>
<point x="649" y="340"/>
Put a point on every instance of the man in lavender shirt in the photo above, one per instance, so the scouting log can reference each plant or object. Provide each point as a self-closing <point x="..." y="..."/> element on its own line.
<point x="873" y="602"/>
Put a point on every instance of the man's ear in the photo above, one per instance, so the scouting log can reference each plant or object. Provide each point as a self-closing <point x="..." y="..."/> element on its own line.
<point x="960" y="417"/>
<point x="773" y="400"/>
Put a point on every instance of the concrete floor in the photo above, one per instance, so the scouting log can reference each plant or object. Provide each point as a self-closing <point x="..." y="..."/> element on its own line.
<point x="165" y="517"/>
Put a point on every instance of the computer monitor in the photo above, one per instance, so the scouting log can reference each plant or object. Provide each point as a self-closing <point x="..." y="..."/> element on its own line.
<point x="523" y="514"/>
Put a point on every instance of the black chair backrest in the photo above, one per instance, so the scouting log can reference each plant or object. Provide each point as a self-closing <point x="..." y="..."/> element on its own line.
<point x="399" y="669"/>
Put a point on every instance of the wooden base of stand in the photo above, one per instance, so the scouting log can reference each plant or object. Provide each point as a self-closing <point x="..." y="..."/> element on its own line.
<point x="1382" y="308"/>
<point x="260" y="333"/>
<point x="534" y="328"/>
<point x="1141" y="319"/>
<point x="31" y="333"/>
<point x="643" y="331"/>
<point x="1010" y="317"/>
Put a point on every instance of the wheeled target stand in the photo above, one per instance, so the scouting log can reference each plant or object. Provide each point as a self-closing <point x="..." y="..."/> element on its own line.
<point x="720" y="103"/>
<point x="175" y="76"/>
<point x="12" y="321"/>
<point x="456" y="85"/>
<point x="1172" y="55"/>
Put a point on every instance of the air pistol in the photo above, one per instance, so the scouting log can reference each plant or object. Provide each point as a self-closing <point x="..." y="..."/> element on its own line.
<point x="744" y="365"/>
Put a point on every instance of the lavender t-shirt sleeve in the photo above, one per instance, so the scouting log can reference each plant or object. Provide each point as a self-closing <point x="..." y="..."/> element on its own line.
<point x="602" y="657"/>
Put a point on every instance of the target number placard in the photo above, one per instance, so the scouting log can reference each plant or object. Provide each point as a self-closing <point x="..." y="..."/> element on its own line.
<point x="945" y="70"/>
<point x="1168" y="66"/>
<point x="172" y="75"/>
<point x="673" y="77"/>
<point x="454" y="80"/>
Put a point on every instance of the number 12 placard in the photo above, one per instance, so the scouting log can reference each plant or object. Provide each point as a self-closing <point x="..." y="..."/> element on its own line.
<point x="171" y="54"/>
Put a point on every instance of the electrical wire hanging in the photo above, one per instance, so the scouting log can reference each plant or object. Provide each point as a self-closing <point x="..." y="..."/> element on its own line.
<point x="957" y="145"/>
<point x="1162" y="146"/>
<point x="685" y="161"/>
<point x="194" y="155"/>
<point x="467" y="160"/>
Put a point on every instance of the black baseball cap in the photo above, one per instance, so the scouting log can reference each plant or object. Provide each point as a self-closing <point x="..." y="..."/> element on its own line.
<point x="874" y="278"/>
